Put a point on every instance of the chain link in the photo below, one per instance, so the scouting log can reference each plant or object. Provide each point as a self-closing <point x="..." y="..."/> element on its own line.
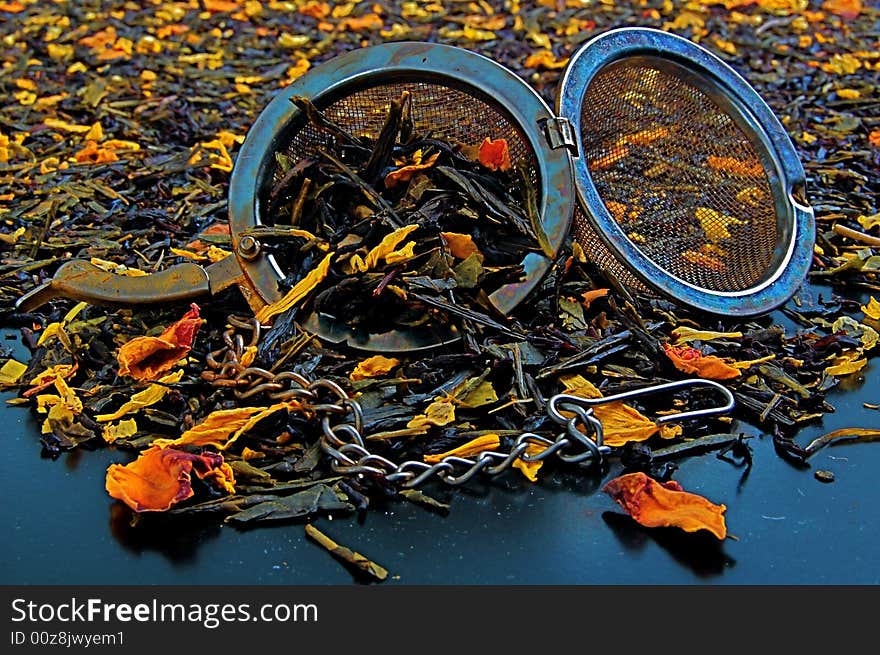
<point x="579" y="442"/>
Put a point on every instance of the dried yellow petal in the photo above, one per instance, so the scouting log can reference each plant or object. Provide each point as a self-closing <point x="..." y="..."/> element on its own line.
<point x="471" y="448"/>
<point x="684" y="334"/>
<point x="872" y="309"/>
<point x="440" y="412"/>
<point x="149" y="396"/>
<point x="373" y="367"/>
<point x="124" y="428"/>
<point x="11" y="372"/>
<point x="530" y="469"/>
<point x="298" y="292"/>
<point x="620" y="422"/>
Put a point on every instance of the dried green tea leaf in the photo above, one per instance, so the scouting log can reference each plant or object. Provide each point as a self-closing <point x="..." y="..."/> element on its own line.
<point x="354" y="559"/>
<point x="319" y="498"/>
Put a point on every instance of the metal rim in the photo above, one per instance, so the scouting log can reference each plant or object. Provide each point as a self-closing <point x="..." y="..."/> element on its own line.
<point x="449" y="65"/>
<point x="794" y="217"/>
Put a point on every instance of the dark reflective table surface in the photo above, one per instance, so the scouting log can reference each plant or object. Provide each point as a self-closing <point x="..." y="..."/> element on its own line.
<point x="786" y="527"/>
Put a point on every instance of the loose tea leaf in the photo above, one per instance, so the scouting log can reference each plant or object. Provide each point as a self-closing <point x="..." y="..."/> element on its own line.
<point x="354" y="559"/>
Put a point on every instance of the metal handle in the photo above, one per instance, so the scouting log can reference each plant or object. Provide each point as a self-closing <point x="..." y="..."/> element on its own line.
<point x="81" y="280"/>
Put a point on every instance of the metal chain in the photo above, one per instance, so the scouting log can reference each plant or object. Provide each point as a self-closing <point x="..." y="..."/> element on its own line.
<point x="580" y="441"/>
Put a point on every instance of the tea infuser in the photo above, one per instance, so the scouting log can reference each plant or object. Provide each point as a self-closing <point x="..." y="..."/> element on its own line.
<point x="666" y="166"/>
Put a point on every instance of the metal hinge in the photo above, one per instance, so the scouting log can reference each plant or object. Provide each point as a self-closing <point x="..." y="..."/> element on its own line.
<point x="559" y="134"/>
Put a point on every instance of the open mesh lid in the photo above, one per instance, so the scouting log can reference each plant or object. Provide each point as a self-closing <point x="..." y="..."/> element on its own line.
<point x="687" y="181"/>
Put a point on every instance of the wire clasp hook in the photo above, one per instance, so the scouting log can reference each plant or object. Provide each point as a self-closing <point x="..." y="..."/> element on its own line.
<point x="592" y="439"/>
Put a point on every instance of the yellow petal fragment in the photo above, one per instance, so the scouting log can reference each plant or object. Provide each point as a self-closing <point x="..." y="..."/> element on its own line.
<point x="298" y="292"/>
<point x="149" y="396"/>
<point x="578" y="385"/>
<point x="117" y="269"/>
<point x="50" y="331"/>
<point x="847" y="364"/>
<point x="373" y="367"/>
<point x="248" y="356"/>
<point x="61" y="408"/>
<point x="715" y="223"/>
<point x="620" y="422"/>
<point x="872" y="309"/>
<point x="49" y="375"/>
<point x="440" y="412"/>
<point x="684" y="334"/>
<point x="223" y="427"/>
<point x="11" y="372"/>
<point x="471" y="448"/>
<point x="669" y="431"/>
<point x="124" y="428"/>
<point x="865" y="333"/>
<point x="382" y="250"/>
<point x="742" y="365"/>
<point x="483" y="394"/>
<point x="868" y="222"/>
<point x="530" y="469"/>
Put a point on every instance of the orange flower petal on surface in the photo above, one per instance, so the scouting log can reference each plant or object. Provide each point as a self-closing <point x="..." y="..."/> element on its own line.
<point x="161" y="477"/>
<point x="373" y="367"/>
<point x="691" y="360"/>
<point x="460" y="246"/>
<point x="146" y="358"/>
<point x="495" y="155"/>
<point x="654" y="504"/>
<point x="471" y="448"/>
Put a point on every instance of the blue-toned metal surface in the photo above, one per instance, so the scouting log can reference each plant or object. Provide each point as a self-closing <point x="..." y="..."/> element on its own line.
<point x="795" y="219"/>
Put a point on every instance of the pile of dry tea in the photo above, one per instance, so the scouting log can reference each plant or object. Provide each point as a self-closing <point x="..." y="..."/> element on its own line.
<point x="371" y="225"/>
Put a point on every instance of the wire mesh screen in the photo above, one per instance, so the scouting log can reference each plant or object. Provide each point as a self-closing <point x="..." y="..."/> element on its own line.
<point x="442" y="112"/>
<point x="679" y="176"/>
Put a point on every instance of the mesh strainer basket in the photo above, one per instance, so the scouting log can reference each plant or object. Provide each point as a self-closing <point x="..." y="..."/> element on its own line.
<point x="456" y="95"/>
<point x="688" y="184"/>
<point x="680" y="179"/>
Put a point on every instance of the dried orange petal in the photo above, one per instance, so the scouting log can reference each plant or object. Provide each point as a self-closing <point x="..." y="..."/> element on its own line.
<point x="654" y="504"/>
<point x="161" y="477"/>
<point x="146" y="358"/>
